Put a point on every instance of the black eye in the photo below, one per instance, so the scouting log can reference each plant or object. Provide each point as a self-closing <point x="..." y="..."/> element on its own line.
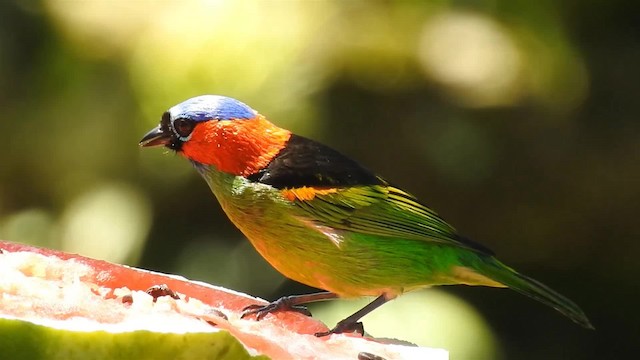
<point x="183" y="127"/>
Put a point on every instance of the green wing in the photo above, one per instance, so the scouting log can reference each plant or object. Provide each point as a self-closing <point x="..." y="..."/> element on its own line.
<point x="385" y="211"/>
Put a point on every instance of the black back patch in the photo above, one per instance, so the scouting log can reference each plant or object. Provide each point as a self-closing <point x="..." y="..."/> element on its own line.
<point x="304" y="162"/>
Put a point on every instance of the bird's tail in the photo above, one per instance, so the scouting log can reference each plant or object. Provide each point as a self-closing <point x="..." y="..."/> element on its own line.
<point x="494" y="269"/>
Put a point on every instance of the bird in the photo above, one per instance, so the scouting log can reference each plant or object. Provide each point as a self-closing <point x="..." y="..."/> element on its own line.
<point x="324" y="220"/>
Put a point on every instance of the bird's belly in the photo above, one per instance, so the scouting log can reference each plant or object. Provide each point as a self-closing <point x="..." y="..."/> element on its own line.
<point x="305" y="257"/>
<point x="355" y="265"/>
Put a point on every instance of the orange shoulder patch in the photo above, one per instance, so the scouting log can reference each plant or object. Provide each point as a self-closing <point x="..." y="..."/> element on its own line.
<point x="305" y="193"/>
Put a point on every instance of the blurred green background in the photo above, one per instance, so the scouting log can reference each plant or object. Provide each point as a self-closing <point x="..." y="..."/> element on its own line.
<point x="518" y="121"/>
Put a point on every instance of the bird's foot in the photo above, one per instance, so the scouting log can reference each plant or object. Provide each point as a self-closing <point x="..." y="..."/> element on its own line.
<point x="283" y="304"/>
<point x="343" y="327"/>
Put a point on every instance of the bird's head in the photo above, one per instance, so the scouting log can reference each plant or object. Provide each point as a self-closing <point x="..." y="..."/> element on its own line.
<point x="221" y="132"/>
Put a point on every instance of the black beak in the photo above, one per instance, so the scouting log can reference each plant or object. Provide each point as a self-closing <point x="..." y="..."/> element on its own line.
<point x="155" y="137"/>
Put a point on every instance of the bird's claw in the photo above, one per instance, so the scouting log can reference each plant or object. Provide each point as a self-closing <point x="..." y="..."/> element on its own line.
<point x="343" y="327"/>
<point x="282" y="304"/>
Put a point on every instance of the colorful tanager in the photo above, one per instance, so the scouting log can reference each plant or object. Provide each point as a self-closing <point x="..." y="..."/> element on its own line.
<point x="324" y="220"/>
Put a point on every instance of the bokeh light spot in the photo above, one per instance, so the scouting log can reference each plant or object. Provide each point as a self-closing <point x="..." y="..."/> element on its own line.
<point x="472" y="57"/>
<point x="109" y="222"/>
<point x="31" y="226"/>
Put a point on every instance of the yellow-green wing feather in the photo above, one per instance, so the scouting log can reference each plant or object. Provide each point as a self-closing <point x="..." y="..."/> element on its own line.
<point x="384" y="211"/>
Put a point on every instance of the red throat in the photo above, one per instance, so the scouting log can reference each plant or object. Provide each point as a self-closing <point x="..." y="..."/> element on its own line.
<point x="238" y="147"/>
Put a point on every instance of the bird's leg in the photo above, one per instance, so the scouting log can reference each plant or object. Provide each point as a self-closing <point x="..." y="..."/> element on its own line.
<point x="351" y="323"/>
<point x="287" y="303"/>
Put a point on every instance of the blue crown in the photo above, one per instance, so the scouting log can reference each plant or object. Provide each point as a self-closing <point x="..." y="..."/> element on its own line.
<point x="212" y="107"/>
